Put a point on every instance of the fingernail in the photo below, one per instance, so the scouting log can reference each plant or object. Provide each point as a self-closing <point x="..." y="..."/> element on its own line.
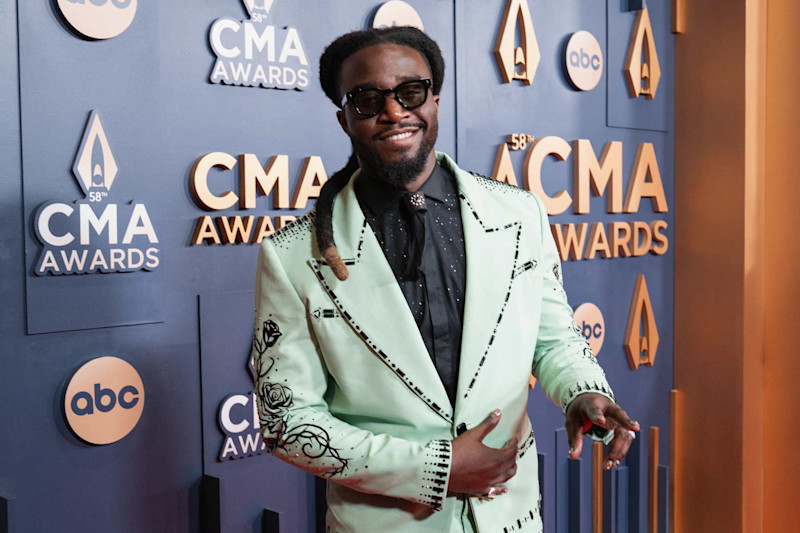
<point x="495" y="413"/>
<point x="608" y="465"/>
<point x="616" y="463"/>
<point x="570" y="452"/>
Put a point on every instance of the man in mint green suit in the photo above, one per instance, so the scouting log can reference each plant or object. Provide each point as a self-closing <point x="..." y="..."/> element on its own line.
<point x="348" y="387"/>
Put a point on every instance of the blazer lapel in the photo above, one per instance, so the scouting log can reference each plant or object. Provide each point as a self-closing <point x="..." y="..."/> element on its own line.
<point x="373" y="304"/>
<point x="492" y="247"/>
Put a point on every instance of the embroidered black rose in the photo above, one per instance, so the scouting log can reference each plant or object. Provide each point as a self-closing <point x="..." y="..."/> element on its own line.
<point x="276" y="398"/>
<point x="270" y="333"/>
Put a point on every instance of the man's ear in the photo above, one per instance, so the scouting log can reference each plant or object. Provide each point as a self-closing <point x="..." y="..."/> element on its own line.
<point x="436" y="101"/>
<point x="340" y="116"/>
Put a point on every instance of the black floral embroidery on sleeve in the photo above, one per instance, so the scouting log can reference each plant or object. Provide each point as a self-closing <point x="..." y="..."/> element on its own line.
<point x="276" y="401"/>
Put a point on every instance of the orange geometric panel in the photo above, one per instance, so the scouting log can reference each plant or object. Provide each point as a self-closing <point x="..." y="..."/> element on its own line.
<point x="641" y="336"/>
<point x="517" y="62"/>
<point x="642" y="71"/>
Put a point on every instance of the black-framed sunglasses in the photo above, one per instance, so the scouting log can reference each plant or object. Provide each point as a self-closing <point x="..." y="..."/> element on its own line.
<point x="369" y="102"/>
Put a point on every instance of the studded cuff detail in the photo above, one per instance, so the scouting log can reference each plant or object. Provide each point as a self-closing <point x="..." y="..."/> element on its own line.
<point x="580" y="388"/>
<point x="436" y="474"/>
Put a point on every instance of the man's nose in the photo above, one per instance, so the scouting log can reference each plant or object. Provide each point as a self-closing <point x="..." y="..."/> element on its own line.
<point x="393" y="111"/>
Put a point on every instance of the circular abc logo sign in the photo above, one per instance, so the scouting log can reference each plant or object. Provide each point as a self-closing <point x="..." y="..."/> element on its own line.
<point x="584" y="60"/>
<point x="104" y="400"/>
<point x="98" y="19"/>
<point x="590" y="321"/>
<point x="397" y="13"/>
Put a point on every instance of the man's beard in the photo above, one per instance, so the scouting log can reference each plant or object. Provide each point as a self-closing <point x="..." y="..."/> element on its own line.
<point x="397" y="173"/>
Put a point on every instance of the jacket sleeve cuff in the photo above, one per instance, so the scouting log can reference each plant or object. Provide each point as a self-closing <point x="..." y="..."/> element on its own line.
<point x="582" y="388"/>
<point x="436" y="474"/>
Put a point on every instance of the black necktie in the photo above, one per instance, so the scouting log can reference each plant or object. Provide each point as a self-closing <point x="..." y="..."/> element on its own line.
<point x="414" y="204"/>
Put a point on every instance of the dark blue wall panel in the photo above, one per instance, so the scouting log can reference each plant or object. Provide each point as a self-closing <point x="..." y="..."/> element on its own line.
<point x="186" y="325"/>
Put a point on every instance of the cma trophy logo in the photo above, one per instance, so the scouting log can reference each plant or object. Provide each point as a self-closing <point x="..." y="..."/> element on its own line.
<point x="252" y="53"/>
<point x="641" y="335"/>
<point x="642" y="71"/>
<point x="84" y="237"/>
<point x="517" y="62"/>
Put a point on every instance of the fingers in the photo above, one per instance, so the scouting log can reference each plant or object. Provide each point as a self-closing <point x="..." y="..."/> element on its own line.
<point x="618" y="447"/>
<point x="510" y="449"/>
<point x="486" y="427"/>
<point x="574" y="436"/>
<point x="596" y="415"/>
<point x="621" y="418"/>
<point x="506" y="475"/>
<point x="491" y="492"/>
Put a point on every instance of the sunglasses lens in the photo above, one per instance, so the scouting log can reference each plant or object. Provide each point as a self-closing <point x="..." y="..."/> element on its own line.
<point x="410" y="94"/>
<point x="369" y="102"/>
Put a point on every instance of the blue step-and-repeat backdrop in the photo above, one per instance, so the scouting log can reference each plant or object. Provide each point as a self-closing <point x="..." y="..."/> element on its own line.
<point x="148" y="147"/>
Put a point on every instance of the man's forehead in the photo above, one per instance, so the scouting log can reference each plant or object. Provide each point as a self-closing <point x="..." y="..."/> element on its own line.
<point x="377" y="65"/>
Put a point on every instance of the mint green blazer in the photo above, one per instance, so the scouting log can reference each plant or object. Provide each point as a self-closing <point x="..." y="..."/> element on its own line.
<point x="347" y="390"/>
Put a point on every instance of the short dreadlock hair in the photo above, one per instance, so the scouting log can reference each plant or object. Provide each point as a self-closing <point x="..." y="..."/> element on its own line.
<point x="330" y="66"/>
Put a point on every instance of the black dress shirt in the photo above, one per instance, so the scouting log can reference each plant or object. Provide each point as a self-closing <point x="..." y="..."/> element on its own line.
<point x="436" y="296"/>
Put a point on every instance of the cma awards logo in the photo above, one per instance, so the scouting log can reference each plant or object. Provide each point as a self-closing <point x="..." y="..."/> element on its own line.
<point x="237" y="417"/>
<point x="94" y="235"/>
<point x="104" y="400"/>
<point x="252" y="53"/>
<point x="517" y="62"/>
<point x="98" y="19"/>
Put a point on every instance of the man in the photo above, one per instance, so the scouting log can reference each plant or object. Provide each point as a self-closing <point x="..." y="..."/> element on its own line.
<point x="394" y="360"/>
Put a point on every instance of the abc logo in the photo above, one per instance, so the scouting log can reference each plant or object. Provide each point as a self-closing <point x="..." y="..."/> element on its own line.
<point x="584" y="60"/>
<point x="590" y="321"/>
<point x="397" y="13"/>
<point x="104" y="400"/>
<point x="99" y="19"/>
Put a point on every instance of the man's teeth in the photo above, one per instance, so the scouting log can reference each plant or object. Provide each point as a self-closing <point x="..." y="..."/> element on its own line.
<point x="399" y="136"/>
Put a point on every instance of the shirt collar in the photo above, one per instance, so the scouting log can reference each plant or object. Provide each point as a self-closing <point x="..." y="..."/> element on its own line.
<point x="377" y="195"/>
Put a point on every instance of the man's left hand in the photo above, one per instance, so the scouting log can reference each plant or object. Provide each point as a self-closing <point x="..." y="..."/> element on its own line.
<point x="595" y="409"/>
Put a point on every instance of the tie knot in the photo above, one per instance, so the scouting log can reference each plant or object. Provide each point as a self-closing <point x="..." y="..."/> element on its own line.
<point x="415" y="201"/>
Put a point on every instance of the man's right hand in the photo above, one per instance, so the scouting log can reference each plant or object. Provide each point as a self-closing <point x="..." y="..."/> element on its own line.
<point x="476" y="468"/>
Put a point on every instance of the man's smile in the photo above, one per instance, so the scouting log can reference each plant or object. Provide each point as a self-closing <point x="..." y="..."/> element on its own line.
<point x="399" y="136"/>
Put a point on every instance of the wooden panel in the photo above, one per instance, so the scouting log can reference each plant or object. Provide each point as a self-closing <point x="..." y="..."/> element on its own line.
<point x="718" y="266"/>
<point x="597" y="487"/>
<point x="674" y="463"/>
<point x="782" y="259"/>
<point x="678" y="16"/>
<point x="652" y="483"/>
